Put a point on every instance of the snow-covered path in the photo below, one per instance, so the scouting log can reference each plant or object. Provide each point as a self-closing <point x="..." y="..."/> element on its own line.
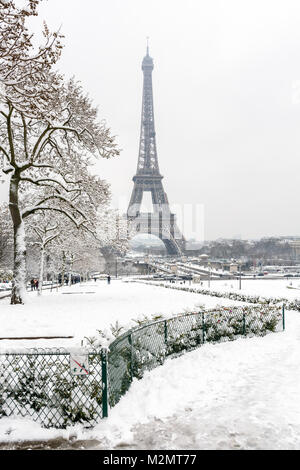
<point x="238" y="395"/>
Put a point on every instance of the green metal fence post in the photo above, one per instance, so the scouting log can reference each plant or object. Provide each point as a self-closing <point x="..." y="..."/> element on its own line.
<point x="104" y="384"/>
<point x="283" y="318"/>
<point x="203" y="328"/>
<point x="131" y="356"/>
<point x="166" y="332"/>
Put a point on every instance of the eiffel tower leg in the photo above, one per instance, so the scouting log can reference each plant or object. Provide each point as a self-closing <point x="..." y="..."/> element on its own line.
<point x="135" y="201"/>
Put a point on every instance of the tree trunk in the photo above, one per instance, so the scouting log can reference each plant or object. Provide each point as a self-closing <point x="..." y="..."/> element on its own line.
<point x="70" y="270"/>
<point x="63" y="269"/>
<point x="41" y="276"/>
<point x="19" y="276"/>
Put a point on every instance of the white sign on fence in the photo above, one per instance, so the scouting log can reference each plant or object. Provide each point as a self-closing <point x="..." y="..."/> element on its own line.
<point x="79" y="365"/>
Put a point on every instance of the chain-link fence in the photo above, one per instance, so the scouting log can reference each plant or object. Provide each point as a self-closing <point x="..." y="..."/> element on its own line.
<point x="147" y="346"/>
<point x="47" y="387"/>
<point x="44" y="385"/>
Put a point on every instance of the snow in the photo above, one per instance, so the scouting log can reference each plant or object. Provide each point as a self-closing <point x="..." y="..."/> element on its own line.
<point x="18" y="429"/>
<point x="81" y="310"/>
<point x="236" y="395"/>
<point x="204" y="268"/>
<point x="288" y="288"/>
<point x="264" y="288"/>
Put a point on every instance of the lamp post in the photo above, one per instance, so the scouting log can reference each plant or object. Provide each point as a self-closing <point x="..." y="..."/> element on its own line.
<point x="240" y="277"/>
<point x="209" y="275"/>
<point x="146" y="261"/>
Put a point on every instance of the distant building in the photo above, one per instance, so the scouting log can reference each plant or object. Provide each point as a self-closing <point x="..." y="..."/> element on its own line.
<point x="233" y="268"/>
<point x="295" y="244"/>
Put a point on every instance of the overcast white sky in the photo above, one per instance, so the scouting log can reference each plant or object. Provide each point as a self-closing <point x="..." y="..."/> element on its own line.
<point x="226" y="99"/>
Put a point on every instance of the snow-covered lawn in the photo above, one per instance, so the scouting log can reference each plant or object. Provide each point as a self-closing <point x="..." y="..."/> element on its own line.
<point x="275" y="288"/>
<point x="289" y="289"/>
<point x="238" y="395"/>
<point x="81" y="310"/>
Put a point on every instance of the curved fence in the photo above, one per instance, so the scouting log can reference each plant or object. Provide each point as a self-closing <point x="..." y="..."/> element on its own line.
<point x="147" y="346"/>
<point x="59" y="388"/>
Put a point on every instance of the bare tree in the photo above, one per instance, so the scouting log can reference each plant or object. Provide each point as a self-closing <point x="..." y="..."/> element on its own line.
<point x="71" y="246"/>
<point x="48" y="133"/>
<point x="44" y="229"/>
<point x="112" y="232"/>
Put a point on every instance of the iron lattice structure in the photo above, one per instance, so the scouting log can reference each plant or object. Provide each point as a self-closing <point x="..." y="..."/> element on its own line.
<point x="161" y="222"/>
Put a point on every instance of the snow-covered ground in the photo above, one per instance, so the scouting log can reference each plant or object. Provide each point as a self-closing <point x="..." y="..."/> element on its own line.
<point x="237" y="395"/>
<point x="289" y="288"/>
<point x="81" y="310"/>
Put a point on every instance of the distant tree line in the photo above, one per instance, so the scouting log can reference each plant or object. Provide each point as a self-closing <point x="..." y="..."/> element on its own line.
<point x="265" y="249"/>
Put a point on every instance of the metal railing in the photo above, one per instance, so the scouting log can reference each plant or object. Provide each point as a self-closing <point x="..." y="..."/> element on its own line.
<point x="42" y="384"/>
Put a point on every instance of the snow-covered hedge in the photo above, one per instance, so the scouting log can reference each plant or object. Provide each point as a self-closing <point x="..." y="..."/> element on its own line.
<point x="148" y="345"/>
<point x="252" y="299"/>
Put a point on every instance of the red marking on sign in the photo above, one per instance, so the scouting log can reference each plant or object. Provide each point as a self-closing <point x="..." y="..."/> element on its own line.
<point x="81" y="366"/>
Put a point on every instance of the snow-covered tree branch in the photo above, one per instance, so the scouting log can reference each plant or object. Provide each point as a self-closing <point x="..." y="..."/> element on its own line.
<point x="49" y="132"/>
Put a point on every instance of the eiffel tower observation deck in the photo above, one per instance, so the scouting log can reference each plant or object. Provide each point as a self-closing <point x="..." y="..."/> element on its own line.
<point x="161" y="222"/>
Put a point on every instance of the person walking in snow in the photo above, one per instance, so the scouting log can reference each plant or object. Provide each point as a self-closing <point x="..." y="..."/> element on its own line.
<point x="108" y="279"/>
<point x="32" y="284"/>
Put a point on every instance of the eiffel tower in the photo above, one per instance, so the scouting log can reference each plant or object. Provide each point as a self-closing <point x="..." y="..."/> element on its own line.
<point x="161" y="222"/>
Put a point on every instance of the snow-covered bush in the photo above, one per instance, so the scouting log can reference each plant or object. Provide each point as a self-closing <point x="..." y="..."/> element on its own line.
<point x="147" y="345"/>
<point x="228" y="323"/>
<point x="252" y="299"/>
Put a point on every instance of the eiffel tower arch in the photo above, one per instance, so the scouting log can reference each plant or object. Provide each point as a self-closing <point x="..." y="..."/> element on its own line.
<point x="161" y="222"/>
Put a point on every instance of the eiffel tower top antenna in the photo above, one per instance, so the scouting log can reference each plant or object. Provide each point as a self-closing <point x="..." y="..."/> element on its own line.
<point x="147" y="45"/>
